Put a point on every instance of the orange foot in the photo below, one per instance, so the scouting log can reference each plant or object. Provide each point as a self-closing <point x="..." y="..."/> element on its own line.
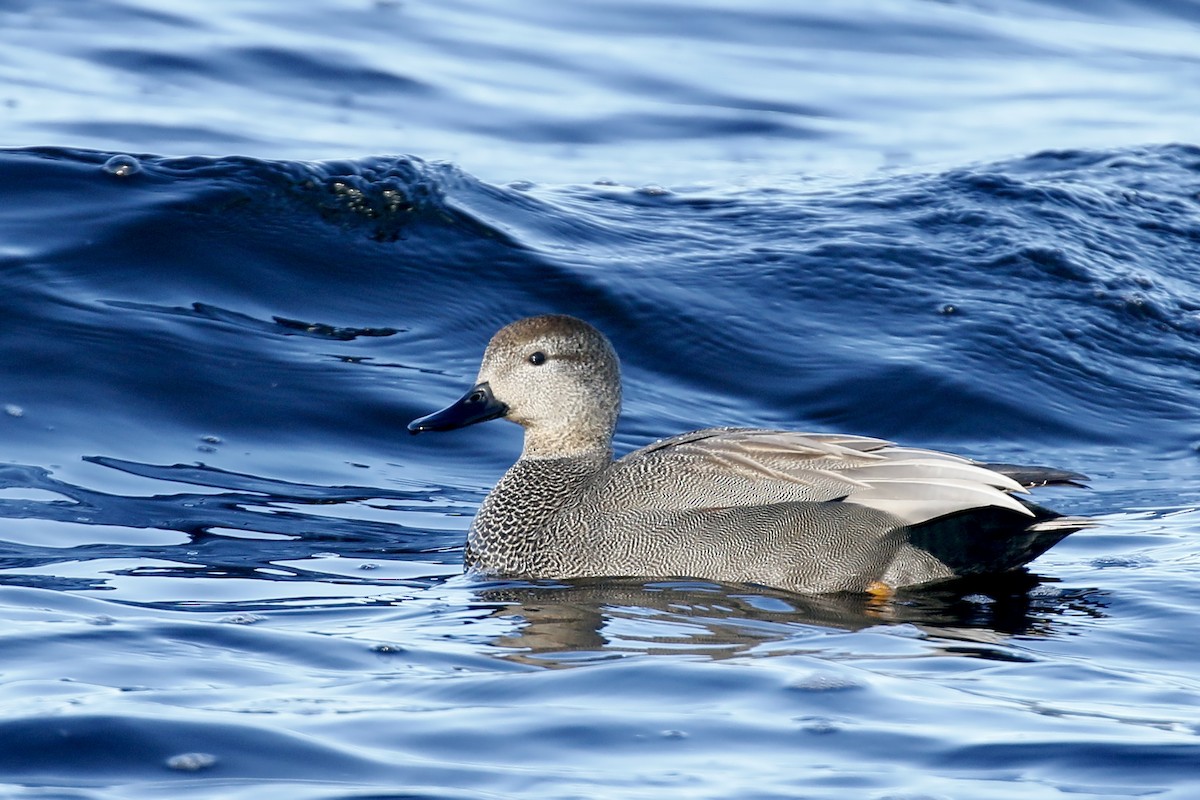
<point x="880" y="590"/>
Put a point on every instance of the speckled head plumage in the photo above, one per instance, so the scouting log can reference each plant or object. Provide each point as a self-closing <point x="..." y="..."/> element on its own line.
<point x="555" y="375"/>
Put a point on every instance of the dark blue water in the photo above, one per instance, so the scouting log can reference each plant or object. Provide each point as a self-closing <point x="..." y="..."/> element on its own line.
<point x="227" y="571"/>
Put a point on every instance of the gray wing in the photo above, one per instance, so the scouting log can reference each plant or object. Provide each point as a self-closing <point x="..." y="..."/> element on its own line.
<point x="728" y="467"/>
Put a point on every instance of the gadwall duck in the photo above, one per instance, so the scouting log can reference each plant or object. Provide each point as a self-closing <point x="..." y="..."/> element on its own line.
<point x="807" y="512"/>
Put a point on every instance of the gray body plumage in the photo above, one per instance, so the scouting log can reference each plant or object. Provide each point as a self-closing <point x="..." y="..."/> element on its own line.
<point x="811" y="513"/>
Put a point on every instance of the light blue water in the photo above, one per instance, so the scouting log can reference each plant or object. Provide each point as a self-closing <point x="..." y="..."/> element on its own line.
<point x="659" y="92"/>
<point x="226" y="571"/>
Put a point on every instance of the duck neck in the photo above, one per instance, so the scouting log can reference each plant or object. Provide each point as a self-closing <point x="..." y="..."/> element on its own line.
<point x="579" y="442"/>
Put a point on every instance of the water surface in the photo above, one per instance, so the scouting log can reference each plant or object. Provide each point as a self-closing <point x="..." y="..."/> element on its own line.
<point x="225" y="570"/>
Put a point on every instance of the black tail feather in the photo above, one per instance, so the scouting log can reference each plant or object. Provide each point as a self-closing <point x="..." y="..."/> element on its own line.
<point x="992" y="540"/>
<point x="1031" y="476"/>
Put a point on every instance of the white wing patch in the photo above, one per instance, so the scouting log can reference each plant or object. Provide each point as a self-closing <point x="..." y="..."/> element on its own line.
<point x="916" y="501"/>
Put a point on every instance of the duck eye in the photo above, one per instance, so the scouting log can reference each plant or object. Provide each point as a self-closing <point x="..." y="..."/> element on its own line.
<point x="538" y="358"/>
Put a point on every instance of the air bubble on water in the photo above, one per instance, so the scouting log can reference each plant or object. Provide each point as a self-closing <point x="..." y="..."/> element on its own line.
<point x="824" y="682"/>
<point x="191" y="762"/>
<point x="122" y="166"/>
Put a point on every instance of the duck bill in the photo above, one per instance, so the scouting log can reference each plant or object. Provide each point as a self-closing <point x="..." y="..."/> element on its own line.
<point x="477" y="405"/>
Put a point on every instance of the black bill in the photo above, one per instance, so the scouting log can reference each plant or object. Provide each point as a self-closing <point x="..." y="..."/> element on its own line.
<point x="477" y="405"/>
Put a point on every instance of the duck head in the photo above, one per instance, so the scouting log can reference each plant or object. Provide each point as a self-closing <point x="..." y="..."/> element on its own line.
<point x="556" y="376"/>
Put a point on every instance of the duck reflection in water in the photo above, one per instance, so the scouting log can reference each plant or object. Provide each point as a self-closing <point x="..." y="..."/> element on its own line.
<point x="564" y="624"/>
